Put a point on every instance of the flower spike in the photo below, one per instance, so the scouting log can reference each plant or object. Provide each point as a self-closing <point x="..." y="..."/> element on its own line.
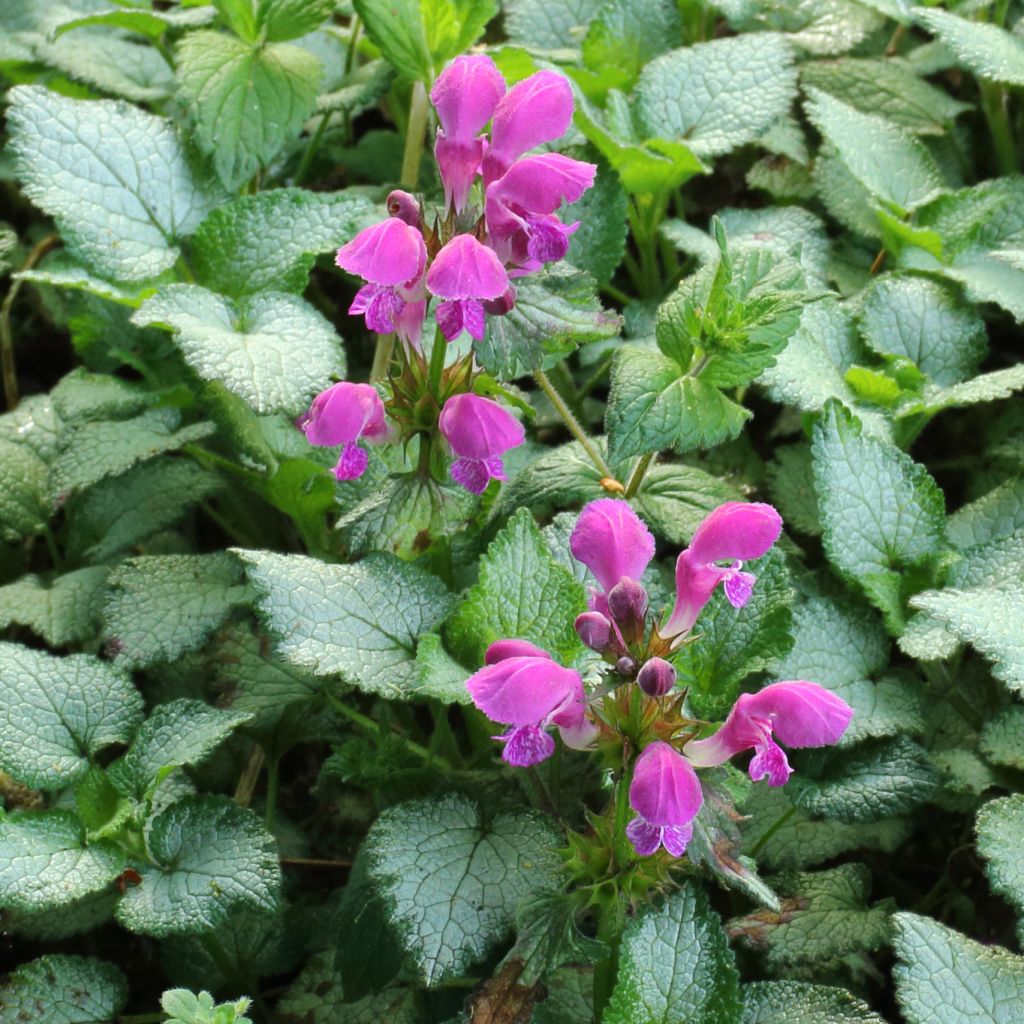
<point x="801" y="714"/>
<point x="464" y="274"/>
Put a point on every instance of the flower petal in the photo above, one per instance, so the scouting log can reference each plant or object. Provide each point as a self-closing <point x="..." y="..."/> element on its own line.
<point x="524" y="690"/>
<point x="502" y="649"/>
<point x="665" y="789"/>
<point x="611" y="541"/>
<point x="526" y="745"/>
<point x="737" y="529"/>
<point x="465" y="95"/>
<point x="479" y="428"/>
<point x="467" y="269"/>
<point x="387" y="253"/>
<point x="344" y="412"/>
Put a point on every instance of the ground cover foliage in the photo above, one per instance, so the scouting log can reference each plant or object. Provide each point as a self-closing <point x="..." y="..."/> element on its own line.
<point x="242" y="778"/>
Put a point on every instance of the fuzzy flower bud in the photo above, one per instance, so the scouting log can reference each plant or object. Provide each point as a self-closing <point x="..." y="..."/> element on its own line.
<point x="657" y="677"/>
<point x="627" y="604"/>
<point x="594" y="630"/>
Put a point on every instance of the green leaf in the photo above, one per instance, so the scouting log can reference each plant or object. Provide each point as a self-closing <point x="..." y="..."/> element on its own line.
<point x="1000" y="826"/>
<point x="63" y="611"/>
<point x="894" y="166"/>
<point x="625" y="36"/>
<point x="101" y="808"/>
<point x="555" y="312"/>
<point x="880" y="510"/>
<point x="674" y="499"/>
<point x="90" y="452"/>
<point x="317" y="996"/>
<point x="178" y="734"/>
<point x="438" y="675"/>
<point x="24" y="479"/>
<point x="945" y="978"/>
<point x="361" y="620"/>
<point x="119" y="512"/>
<point x="885" y="88"/>
<point x="824" y="917"/>
<point x="719" y="95"/>
<point x="282" y="20"/>
<point x="786" y="837"/>
<point x="45" y="862"/>
<point x="986" y="387"/>
<point x="142" y="22"/>
<point x="452" y="884"/>
<point x="797" y="1002"/>
<point x="522" y="592"/>
<point x="240" y="16"/>
<point x="114" y="178"/>
<point x="58" y="713"/>
<point x="921" y="320"/>
<point x="549" y="23"/>
<point x="273" y="350"/>
<point x="210" y="856"/>
<point x="653" y="405"/>
<point x="396" y="27"/>
<point x="599" y="242"/>
<point x="453" y="26"/>
<point x="73" y="989"/>
<point x="736" y="643"/>
<point x="990" y="618"/>
<point x="878" y="779"/>
<point x="162" y="606"/>
<point x="996" y="516"/>
<point x="246" y="100"/>
<point x="185" y="1007"/>
<point x="987" y="50"/>
<point x="269" y="241"/>
<point x="675" y="966"/>
<point x="1002" y="738"/>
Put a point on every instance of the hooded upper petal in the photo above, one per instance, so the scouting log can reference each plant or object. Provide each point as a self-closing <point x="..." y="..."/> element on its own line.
<point x="611" y="541"/>
<point x="467" y="269"/>
<point x="388" y="253"/>
<point x="737" y="529"/>
<point x="665" y="789"/>
<point x="537" y="184"/>
<point x="477" y="428"/>
<point x="525" y="690"/>
<point x="465" y="95"/>
<point x="536" y="110"/>
<point x="343" y="413"/>
<point x="502" y="649"/>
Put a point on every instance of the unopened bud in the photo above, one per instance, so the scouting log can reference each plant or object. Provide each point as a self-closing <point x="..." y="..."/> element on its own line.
<point x="594" y="630"/>
<point x="404" y="206"/>
<point x="625" y="666"/>
<point x="656" y="678"/>
<point x="627" y="601"/>
<point x="503" y="304"/>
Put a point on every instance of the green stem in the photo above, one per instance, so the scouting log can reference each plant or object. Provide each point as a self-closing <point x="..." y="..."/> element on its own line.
<point x="51" y="545"/>
<point x="314" y="145"/>
<point x="771" y="830"/>
<point x="438" y="352"/>
<point x="367" y="723"/>
<point x="616" y="293"/>
<point x="595" y="378"/>
<point x="993" y="102"/>
<point x="272" y="779"/>
<point x="415" y="133"/>
<point x="609" y="932"/>
<point x="7" y="366"/>
<point x="572" y="423"/>
<point x="219" y="956"/>
<point x="212" y="459"/>
<point x="639" y="471"/>
<point x="382" y="356"/>
<point x="184" y="270"/>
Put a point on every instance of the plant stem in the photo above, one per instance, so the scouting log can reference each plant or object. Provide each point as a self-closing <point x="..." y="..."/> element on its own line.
<point x="382" y="356"/>
<point x="639" y="471"/>
<point x="314" y="145"/>
<point x="572" y="423"/>
<point x="249" y="777"/>
<point x="415" y="132"/>
<point x="771" y="830"/>
<point x="51" y="546"/>
<point x="7" y="366"/>
<point x="370" y="725"/>
<point x="993" y="102"/>
<point x="272" y="778"/>
<point x="616" y="293"/>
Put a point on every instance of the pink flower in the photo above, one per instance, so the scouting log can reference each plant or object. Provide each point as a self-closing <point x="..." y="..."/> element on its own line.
<point x="480" y="432"/>
<point x="801" y="714"/>
<point x="535" y="111"/>
<point x="530" y="692"/>
<point x="464" y="95"/>
<point x="666" y="795"/>
<point x="341" y="415"/>
<point x="612" y="542"/>
<point x="734" y="532"/>
<point x="391" y="256"/>
<point x="465" y="273"/>
<point x="520" y="208"/>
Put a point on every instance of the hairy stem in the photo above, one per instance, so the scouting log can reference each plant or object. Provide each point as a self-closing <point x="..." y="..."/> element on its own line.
<point x="636" y="478"/>
<point x="415" y="133"/>
<point x="572" y="423"/>
<point x="7" y="366"/>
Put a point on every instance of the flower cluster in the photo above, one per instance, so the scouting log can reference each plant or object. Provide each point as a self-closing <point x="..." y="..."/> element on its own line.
<point x="523" y="687"/>
<point x="466" y="261"/>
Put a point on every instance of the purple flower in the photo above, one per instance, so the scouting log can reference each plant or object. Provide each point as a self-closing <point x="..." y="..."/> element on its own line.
<point x="464" y="95"/>
<point x="520" y="208"/>
<point x="612" y="542"/>
<point x="535" y="111"/>
<point x="666" y="795"/>
<point x="341" y="415"/>
<point x="530" y="692"/>
<point x="801" y="714"/>
<point x="465" y="274"/>
<point x="391" y="257"/>
<point x="480" y="432"/>
<point x="734" y="532"/>
<point x="657" y="677"/>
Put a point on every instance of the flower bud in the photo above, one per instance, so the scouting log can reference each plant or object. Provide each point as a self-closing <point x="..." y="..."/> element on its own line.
<point x="625" y="666"/>
<point x="503" y="304"/>
<point x="594" y="630"/>
<point x="627" y="602"/>
<point x="656" y="678"/>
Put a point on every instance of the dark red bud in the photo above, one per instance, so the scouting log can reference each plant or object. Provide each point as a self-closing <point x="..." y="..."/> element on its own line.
<point x="625" y="666"/>
<point x="627" y="601"/>
<point x="594" y="630"/>
<point x="502" y="304"/>
<point x="657" y="677"/>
